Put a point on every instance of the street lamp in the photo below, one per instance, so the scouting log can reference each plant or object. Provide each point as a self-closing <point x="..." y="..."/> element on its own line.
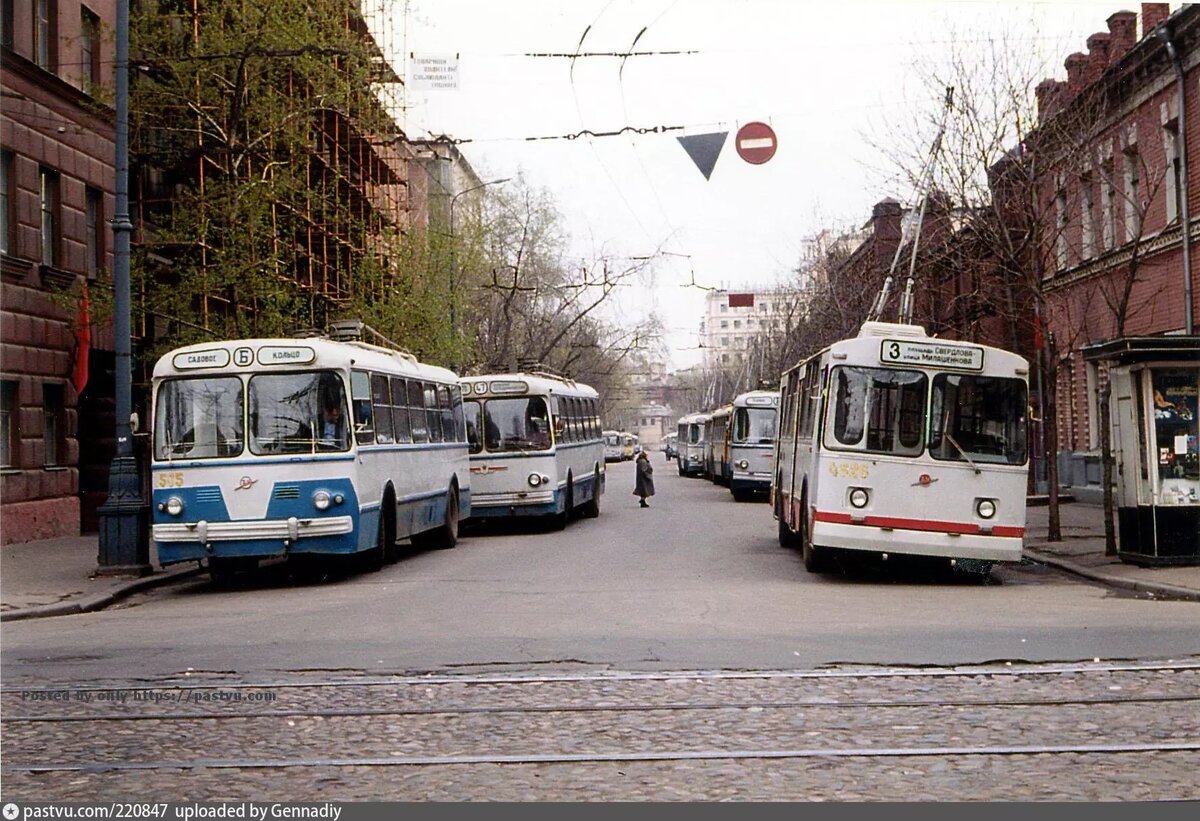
<point x="124" y="516"/>
<point x="454" y="252"/>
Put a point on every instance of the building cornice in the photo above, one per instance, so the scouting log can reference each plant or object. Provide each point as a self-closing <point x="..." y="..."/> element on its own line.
<point x="1168" y="239"/>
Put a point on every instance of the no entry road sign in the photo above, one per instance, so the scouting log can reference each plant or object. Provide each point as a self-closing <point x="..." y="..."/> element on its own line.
<point x="756" y="143"/>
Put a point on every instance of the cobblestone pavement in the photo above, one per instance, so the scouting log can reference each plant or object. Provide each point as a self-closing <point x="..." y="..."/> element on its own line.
<point x="1080" y="732"/>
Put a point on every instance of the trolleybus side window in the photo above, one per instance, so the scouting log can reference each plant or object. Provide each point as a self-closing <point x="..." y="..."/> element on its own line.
<point x="400" y="418"/>
<point x="381" y="400"/>
<point x="364" y="416"/>
<point x="199" y="418"/>
<point x="446" y="411"/>
<point x="432" y="420"/>
<point x="978" y="418"/>
<point x="879" y="410"/>
<point x="416" y="412"/>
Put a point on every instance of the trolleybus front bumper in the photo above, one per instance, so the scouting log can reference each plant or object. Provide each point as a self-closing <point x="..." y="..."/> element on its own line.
<point x="191" y="541"/>
<point x="1004" y="544"/>
<point x="527" y="503"/>
<point x="760" y="482"/>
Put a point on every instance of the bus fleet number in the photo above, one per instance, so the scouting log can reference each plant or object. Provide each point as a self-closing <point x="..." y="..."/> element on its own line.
<point x="848" y="470"/>
<point x="168" y="478"/>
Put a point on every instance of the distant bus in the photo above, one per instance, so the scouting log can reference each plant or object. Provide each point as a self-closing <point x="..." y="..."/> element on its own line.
<point x="300" y="448"/>
<point x="897" y="443"/>
<point x="751" y="443"/>
<point x="612" y="446"/>
<point x="716" y="445"/>
<point x="690" y="458"/>
<point x="537" y="448"/>
<point x="628" y="445"/>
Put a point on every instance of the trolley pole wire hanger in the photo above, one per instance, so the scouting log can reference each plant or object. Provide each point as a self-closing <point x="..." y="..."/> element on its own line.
<point x="904" y="314"/>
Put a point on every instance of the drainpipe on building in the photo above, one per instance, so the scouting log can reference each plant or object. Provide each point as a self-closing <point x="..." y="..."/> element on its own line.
<point x="1164" y="34"/>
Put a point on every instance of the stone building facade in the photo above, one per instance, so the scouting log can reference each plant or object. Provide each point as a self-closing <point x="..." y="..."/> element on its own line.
<point x="56" y="180"/>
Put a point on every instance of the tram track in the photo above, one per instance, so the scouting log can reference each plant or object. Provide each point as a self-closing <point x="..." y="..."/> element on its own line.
<point x="581" y="727"/>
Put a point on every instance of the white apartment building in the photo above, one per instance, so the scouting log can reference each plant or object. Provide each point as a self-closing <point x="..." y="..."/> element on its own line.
<point x="732" y="319"/>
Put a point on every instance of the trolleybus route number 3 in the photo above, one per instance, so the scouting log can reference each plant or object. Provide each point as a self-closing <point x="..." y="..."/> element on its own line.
<point x="962" y="357"/>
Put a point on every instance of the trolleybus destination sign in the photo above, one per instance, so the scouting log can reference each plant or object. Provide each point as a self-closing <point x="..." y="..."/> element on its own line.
<point x="905" y="352"/>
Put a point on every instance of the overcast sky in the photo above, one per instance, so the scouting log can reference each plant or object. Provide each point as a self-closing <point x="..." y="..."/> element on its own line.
<point x="825" y="76"/>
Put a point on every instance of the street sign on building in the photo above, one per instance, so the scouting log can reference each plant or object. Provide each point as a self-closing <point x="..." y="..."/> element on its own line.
<point x="756" y="143"/>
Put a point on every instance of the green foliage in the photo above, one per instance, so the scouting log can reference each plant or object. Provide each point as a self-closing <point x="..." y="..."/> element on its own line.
<point x="237" y="173"/>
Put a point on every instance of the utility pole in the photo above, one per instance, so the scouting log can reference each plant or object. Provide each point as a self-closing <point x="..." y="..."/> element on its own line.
<point x="124" y="516"/>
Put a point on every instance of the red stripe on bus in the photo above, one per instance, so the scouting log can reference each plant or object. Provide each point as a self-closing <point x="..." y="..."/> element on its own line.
<point x="920" y="524"/>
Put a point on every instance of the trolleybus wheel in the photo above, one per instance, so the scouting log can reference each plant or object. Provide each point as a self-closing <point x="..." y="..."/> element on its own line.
<point x="371" y="560"/>
<point x="387" y="528"/>
<point x="816" y="559"/>
<point x="445" y="536"/>
<point x="559" y="521"/>
<point x="787" y="537"/>
<point x="591" y="508"/>
<point x="682" y="469"/>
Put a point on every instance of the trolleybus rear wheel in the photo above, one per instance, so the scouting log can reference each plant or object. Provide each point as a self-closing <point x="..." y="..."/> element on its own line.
<point x="591" y="508"/>
<point x="444" y="536"/>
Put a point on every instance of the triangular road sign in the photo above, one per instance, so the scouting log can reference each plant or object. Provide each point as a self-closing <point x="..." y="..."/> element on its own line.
<point x="704" y="149"/>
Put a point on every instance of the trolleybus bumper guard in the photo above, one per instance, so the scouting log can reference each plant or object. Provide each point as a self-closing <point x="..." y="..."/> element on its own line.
<point x="534" y="503"/>
<point x="291" y="529"/>
<point x="1003" y="545"/>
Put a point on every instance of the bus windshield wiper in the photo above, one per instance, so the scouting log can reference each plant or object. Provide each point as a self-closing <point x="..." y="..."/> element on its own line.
<point x="961" y="451"/>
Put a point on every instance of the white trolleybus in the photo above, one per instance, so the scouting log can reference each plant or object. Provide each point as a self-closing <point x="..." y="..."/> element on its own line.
<point x="897" y="443"/>
<point x="752" y="443"/>
<point x="716" y="444"/>
<point x="537" y="447"/>
<point x="303" y="448"/>
<point x="691" y="444"/>
<point x="612" y="446"/>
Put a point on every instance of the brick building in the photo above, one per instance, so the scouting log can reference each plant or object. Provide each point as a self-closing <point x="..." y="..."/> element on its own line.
<point x="1116" y="201"/>
<point x="56" y="185"/>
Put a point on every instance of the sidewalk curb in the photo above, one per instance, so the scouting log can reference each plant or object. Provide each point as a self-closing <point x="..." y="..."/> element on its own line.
<point x="100" y="601"/>
<point x="1158" y="588"/>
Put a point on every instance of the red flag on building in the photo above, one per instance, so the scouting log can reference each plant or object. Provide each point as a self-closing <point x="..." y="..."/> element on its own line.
<point x="741" y="300"/>
<point x="83" y="341"/>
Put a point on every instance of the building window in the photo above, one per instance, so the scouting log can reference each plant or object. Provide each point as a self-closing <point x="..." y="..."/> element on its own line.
<point x="1087" y="215"/>
<point x="737" y="323"/>
<point x="89" y="39"/>
<point x="8" y="423"/>
<point x="1108" y="207"/>
<point x="1133" y="197"/>
<point x="1092" y="373"/>
<point x="6" y="200"/>
<point x="6" y="23"/>
<point x="52" y="424"/>
<point x="48" y="194"/>
<point x="95" y="236"/>
<point x="45" y="34"/>
<point x="1174" y="178"/>
<point x="724" y="323"/>
<point x="724" y="307"/>
<point x="1061" y="217"/>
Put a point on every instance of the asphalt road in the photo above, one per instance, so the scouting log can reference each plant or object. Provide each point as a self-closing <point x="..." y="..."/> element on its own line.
<point x="696" y="582"/>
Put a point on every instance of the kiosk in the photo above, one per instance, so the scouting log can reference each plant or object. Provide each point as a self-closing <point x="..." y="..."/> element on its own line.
<point x="1153" y="408"/>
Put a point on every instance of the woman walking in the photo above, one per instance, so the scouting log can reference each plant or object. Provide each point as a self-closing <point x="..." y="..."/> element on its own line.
<point x="645" y="478"/>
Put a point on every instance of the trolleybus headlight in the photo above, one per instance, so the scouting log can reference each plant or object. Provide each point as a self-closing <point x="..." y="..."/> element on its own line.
<point x="534" y="480"/>
<point x="859" y="497"/>
<point x="174" y="506"/>
<point x="986" y="508"/>
<point x="743" y="464"/>
<point x="321" y="500"/>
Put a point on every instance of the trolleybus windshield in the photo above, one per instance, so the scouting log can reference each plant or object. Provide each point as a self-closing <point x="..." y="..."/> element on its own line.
<point x="510" y="425"/>
<point x="978" y="419"/>
<point x="297" y="413"/>
<point x="878" y="410"/>
<point x="755" y="426"/>
<point x="199" y="418"/>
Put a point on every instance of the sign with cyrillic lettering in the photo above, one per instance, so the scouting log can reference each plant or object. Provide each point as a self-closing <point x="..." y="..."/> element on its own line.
<point x="931" y="355"/>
